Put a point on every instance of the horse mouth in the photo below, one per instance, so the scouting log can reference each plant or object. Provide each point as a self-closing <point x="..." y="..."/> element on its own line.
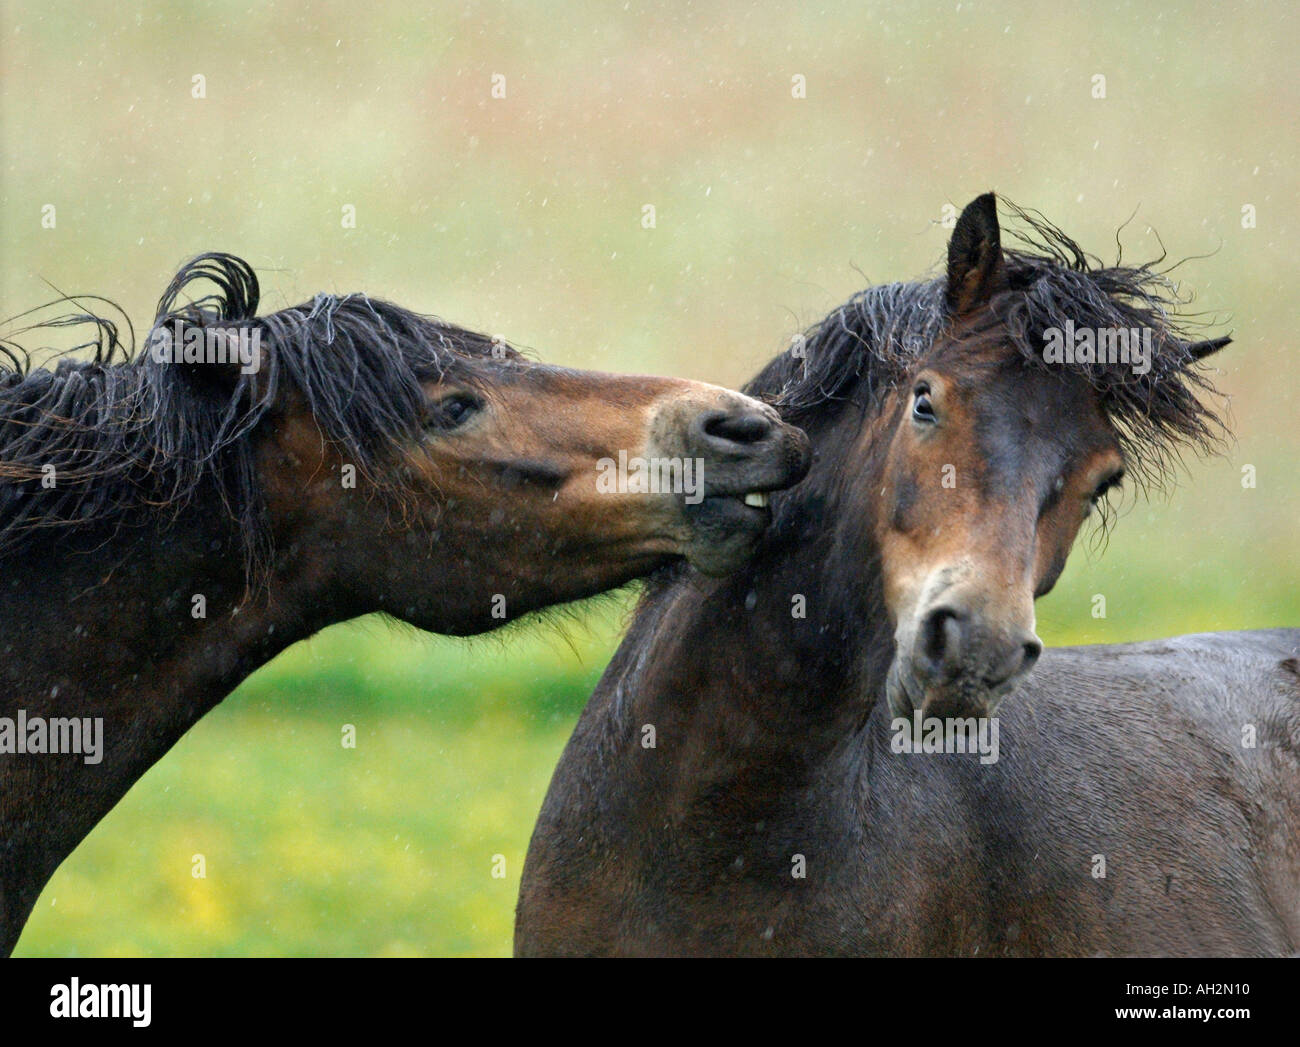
<point x="726" y="529"/>
<point x="753" y="502"/>
<point x="903" y="691"/>
<point x="737" y="510"/>
<point x="754" y="505"/>
<point x="728" y="522"/>
<point x="962" y="696"/>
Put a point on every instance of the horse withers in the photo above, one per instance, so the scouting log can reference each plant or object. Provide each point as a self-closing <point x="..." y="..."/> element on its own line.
<point x="171" y="520"/>
<point x="860" y="747"/>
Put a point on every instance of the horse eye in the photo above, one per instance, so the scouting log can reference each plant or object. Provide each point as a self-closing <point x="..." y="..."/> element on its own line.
<point x="922" y="408"/>
<point x="1106" y="484"/>
<point x="452" y="411"/>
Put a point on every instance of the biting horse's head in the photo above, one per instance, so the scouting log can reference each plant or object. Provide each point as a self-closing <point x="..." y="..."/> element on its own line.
<point x="384" y="460"/>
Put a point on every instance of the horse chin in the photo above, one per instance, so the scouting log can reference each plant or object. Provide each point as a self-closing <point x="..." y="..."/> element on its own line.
<point x="717" y="559"/>
<point x="725" y="532"/>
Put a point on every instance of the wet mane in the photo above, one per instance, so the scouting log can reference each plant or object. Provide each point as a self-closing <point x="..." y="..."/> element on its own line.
<point x="124" y="432"/>
<point x="875" y="339"/>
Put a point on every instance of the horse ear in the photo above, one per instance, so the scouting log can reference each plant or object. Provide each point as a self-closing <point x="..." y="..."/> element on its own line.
<point x="1200" y="350"/>
<point x="975" y="264"/>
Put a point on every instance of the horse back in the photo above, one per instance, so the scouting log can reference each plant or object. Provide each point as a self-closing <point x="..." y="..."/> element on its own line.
<point x="1168" y="770"/>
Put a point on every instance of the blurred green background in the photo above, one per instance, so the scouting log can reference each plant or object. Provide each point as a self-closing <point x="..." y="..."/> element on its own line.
<point x="521" y="216"/>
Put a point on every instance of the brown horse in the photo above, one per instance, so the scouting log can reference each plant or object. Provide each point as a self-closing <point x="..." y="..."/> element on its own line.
<point x="171" y="521"/>
<point x="801" y="758"/>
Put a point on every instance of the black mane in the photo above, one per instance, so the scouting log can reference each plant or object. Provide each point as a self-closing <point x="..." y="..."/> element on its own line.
<point x="872" y="341"/>
<point x="123" y="431"/>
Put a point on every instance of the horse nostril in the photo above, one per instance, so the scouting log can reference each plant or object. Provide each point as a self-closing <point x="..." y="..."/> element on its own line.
<point x="743" y="428"/>
<point x="1033" y="648"/>
<point x="941" y="637"/>
<point x="1019" y="662"/>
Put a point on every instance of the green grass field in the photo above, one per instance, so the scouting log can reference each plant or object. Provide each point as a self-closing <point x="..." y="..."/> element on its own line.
<point x="522" y="216"/>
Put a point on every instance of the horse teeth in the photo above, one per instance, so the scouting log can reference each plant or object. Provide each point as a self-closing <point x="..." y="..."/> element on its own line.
<point x="758" y="499"/>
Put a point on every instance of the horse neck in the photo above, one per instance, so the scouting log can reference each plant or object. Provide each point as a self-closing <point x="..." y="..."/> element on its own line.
<point x="766" y="673"/>
<point x="116" y="610"/>
<point x="104" y="626"/>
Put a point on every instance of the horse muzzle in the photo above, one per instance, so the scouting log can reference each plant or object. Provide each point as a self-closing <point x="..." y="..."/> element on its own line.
<point x="950" y="662"/>
<point x="744" y="453"/>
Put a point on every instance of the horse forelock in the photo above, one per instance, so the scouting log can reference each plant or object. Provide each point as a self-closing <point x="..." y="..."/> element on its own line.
<point x="869" y="344"/>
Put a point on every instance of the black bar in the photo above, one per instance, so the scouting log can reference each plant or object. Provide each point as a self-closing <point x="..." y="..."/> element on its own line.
<point x="336" y="996"/>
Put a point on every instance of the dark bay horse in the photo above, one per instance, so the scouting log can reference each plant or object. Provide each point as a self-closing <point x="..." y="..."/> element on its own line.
<point x="170" y="520"/>
<point x="754" y="773"/>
